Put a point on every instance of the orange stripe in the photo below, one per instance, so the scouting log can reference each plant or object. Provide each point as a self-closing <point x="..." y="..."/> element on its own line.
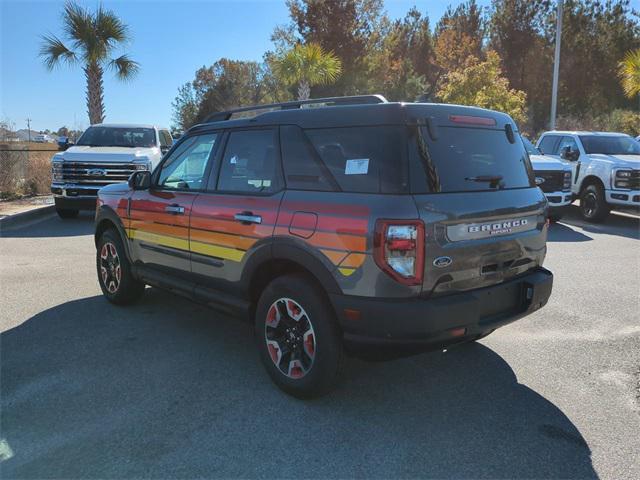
<point x="234" y="241"/>
<point x="354" y="260"/>
<point x="182" y="220"/>
<point x="335" y="256"/>
<point x="174" y="231"/>
<point x="232" y="227"/>
<point x="339" y="242"/>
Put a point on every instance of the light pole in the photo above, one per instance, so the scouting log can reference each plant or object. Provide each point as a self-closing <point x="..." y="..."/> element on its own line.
<point x="556" y="67"/>
<point x="29" y="129"/>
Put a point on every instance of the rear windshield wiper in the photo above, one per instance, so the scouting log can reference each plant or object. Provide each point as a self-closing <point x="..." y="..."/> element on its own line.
<point x="493" y="180"/>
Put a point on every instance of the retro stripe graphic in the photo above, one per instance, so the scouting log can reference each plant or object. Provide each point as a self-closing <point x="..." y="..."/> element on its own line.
<point x="340" y="233"/>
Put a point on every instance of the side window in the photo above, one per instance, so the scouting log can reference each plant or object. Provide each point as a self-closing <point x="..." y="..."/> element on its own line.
<point x="303" y="168"/>
<point x="567" y="142"/>
<point x="165" y="138"/>
<point x="250" y="162"/>
<point x="548" y="144"/>
<point x="185" y="168"/>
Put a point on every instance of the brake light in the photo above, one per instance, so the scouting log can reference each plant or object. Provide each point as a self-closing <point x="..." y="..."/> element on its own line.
<point x="471" y="120"/>
<point x="399" y="249"/>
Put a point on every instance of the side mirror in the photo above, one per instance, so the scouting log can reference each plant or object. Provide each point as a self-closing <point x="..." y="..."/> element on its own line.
<point x="571" y="155"/>
<point x="64" y="143"/>
<point x="164" y="149"/>
<point x="140" y="180"/>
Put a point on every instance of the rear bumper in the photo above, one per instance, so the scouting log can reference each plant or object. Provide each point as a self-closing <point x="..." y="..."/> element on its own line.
<point x="444" y="320"/>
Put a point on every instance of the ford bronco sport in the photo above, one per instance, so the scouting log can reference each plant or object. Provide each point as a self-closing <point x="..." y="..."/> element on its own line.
<point x="342" y="222"/>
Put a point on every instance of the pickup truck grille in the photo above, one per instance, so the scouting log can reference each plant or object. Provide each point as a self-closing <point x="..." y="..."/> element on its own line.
<point x="96" y="174"/>
<point x="553" y="180"/>
<point x="634" y="181"/>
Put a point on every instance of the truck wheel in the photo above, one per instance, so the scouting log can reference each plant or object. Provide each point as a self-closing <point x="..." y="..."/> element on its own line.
<point x="593" y="205"/>
<point x="67" y="213"/>
<point x="114" y="271"/>
<point x="298" y="337"/>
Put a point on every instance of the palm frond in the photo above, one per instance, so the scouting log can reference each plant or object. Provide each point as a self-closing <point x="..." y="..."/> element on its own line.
<point x="629" y="73"/>
<point x="53" y="51"/>
<point x="124" y="67"/>
<point x="109" y="28"/>
<point x="309" y="63"/>
<point x="78" y="26"/>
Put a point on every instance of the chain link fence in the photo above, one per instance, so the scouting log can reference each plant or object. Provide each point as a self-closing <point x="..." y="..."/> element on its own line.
<point x="25" y="169"/>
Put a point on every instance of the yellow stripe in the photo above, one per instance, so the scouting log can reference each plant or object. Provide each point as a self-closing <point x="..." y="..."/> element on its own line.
<point x="347" y="271"/>
<point x="180" y="243"/>
<point x="217" y="251"/>
<point x="225" y="253"/>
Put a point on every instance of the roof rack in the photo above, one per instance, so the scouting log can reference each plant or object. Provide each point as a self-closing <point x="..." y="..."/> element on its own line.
<point x="329" y="101"/>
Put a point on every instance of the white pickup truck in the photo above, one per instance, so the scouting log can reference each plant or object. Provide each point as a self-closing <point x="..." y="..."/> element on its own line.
<point x="104" y="154"/>
<point x="605" y="169"/>
<point x="554" y="179"/>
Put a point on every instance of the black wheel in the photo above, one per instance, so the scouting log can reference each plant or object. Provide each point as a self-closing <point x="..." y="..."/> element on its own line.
<point x="593" y="204"/>
<point x="114" y="271"/>
<point x="67" y="212"/>
<point x="298" y="337"/>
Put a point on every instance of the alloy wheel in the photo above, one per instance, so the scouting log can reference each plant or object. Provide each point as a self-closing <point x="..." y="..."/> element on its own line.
<point x="589" y="204"/>
<point x="291" y="341"/>
<point x="110" y="268"/>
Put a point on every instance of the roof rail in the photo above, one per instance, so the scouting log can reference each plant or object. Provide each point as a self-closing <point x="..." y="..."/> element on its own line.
<point x="329" y="101"/>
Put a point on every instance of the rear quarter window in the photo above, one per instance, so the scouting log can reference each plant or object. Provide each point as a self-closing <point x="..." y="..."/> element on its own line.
<point x="347" y="159"/>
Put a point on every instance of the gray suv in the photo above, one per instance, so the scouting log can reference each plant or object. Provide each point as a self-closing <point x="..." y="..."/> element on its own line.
<point x="346" y="224"/>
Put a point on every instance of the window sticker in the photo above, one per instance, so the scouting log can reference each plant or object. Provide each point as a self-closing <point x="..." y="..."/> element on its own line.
<point x="357" y="166"/>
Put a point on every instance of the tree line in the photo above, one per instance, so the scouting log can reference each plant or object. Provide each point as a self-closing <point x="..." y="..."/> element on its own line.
<point x="499" y="57"/>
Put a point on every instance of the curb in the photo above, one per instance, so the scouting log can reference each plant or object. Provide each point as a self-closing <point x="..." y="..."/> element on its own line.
<point x="21" y="219"/>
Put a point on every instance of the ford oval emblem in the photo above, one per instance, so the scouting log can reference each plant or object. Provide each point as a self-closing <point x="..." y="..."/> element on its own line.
<point x="442" y="262"/>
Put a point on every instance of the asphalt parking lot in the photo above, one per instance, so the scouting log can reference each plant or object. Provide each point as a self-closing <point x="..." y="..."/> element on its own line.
<point x="168" y="389"/>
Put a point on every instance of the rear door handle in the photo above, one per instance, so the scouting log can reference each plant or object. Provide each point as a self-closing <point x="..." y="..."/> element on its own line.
<point x="175" y="209"/>
<point x="247" y="218"/>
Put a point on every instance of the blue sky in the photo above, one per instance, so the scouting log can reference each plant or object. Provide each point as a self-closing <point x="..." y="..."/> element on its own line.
<point x="171" y="39"/>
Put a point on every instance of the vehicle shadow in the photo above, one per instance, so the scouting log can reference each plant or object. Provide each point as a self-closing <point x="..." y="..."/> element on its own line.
<point x="54" y="227"/>
<point x="170" y="389"/>
<point x="622" y="225"/>
<point x="562" y="233"/>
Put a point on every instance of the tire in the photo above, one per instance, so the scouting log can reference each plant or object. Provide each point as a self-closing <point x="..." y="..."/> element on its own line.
<point x="114" y="271"/>
<point x="298" y="337"/>
<point x="593" y="204"/>
<point x="67" y="213"/>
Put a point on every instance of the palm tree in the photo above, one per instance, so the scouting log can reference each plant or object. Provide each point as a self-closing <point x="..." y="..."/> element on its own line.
<point x="92" y="39"/>
<point x="307" y="65"/>
<point x="629" y="73"/>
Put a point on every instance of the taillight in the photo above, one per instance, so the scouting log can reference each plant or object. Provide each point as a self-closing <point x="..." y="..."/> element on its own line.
<point x="399" y="249"/>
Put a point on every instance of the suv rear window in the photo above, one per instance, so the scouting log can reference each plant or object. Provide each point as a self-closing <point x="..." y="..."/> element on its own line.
<point x="468" y="159"/>
<point x="349" y="159"/>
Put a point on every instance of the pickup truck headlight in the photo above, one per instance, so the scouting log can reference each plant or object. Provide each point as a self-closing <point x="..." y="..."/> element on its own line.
<point x="142" y="165"/>
<point x="566" y="184"/>
<point x="56" y="170"/>
<point x="622" y="179"/>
